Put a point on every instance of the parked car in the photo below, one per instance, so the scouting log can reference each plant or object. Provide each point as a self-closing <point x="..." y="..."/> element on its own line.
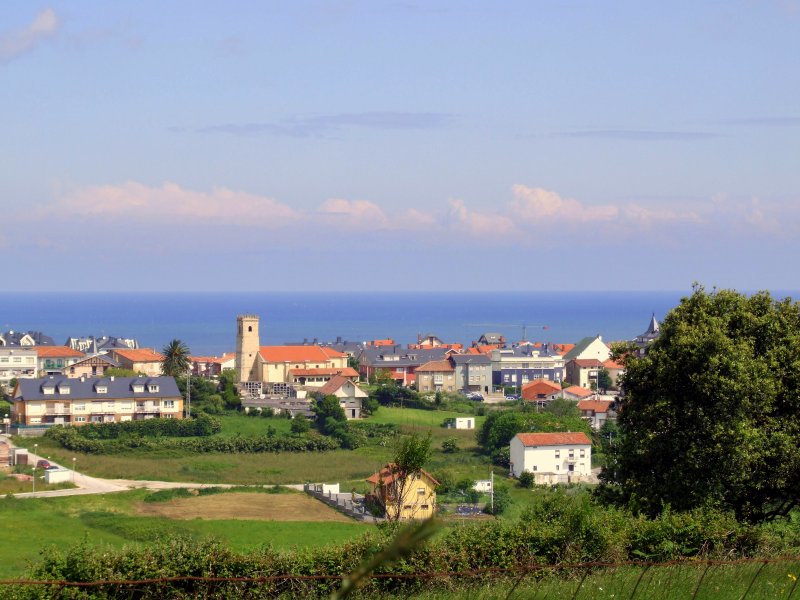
<point x="43" y="464"/>
<point x="512" y="396"/>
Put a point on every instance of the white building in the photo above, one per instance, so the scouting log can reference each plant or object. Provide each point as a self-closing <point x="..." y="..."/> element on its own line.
<point x="552" y="457"/>
<point x="461" y="423"/>
<point x="17" y="362"/>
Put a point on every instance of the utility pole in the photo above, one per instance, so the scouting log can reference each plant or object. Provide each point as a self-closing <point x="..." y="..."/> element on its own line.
<point x="189" y="393"/>
<point x="491" y="492"/>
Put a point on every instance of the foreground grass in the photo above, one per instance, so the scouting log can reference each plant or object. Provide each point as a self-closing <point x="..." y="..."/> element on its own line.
<point x="111" y="521"/>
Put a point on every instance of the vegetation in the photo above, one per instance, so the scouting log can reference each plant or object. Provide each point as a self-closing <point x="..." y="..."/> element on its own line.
<point x="176" y="359"/>
<point x="410" y="456"/>
<point x="711" y="414"/>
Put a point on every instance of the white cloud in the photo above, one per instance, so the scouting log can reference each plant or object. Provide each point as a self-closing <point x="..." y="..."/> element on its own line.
<point x="489" y="225"/>
<point x="17" y="43"/>
<point x="537" y="204"/>
<point x="356" y="212"/>
<point x="171" y="202"/>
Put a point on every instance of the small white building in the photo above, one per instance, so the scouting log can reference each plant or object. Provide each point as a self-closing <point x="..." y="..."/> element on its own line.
<point x="552" y="457"/>
<point x="461" y="423"/>
<point x="483" y="486"/>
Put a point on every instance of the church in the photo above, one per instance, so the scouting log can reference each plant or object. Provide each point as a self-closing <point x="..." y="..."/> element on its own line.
<point x="307" y="367"/>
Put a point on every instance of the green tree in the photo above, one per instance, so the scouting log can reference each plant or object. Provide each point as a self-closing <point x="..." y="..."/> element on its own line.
<point x="502" y="500"/>
<point x="561" y="407"/>
<point x="410" y="456"/>
<point x="526" y="479"/>
<point x="176" y="359"/>
<point x="450" y="445"/>
<point x="604" y="381"/>
<point x="500" y="426"/>
<point x="300" y="425"/>
<point x="330" y="414"/>
<point x="711" y="414"/>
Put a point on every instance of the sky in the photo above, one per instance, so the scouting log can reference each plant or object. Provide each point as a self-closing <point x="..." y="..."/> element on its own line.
<point x="436" y="145"/>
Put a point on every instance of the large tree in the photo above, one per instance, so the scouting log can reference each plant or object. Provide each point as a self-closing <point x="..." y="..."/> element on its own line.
<point x="176" y="359"/>
<point x="711" y="413"/>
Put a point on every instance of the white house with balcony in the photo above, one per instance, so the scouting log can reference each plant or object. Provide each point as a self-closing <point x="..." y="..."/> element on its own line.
<point x="552" y="457"/>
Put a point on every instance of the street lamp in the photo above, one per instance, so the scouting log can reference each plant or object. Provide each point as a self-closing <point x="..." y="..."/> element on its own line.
<point x="73" y="469"/>
<point x="189" y="392"/>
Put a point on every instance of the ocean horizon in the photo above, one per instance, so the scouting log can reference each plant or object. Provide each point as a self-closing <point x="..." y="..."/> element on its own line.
<point x="206" y="321"/>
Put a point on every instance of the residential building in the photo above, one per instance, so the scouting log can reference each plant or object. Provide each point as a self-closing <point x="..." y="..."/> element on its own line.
<point x="491" y="339"/>
<point x="94" y="365"/>
<point x="584" y="372"/>
<point x="473" y="372"/>
<point x="17" y="362"/>
<point x="102" y="344"/>
<point x="60" y="400"/>
<point x="349" y="394"/>
<point x="614" y="370"/>
<point x="552" y="457"/>
<point x="643" y="340"/>
<point x="142" y="360"/>
<point x="398" y="363"/>
<point x="212" y="366"/>
<point x="517" y="366"/>
<point x="436" y="376"/>
<point x="412" y="497"/>
<point x="589" y="347"/>
<point x="52" y="360"/>
<point x="541" y="391"/>
<point x="25" y="338"/>
<point x="596" y="412"/>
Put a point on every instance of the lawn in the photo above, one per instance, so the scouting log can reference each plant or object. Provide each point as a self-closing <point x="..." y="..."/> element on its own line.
<point x="114" y="520"/>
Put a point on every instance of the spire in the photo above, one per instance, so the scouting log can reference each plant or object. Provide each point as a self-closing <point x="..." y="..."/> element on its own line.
<point x="654" y="326"/>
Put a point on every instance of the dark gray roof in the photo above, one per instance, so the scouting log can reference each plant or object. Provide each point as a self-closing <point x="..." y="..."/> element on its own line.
<point x="397" y="356"/>
<point x="84" y="388"/>
<point x="471" y="359"/>
<point x="653" y="331"/>
<point x="12" y="338"/>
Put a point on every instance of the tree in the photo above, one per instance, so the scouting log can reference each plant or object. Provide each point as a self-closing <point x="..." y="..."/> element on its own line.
<point x="561" y="407"/>
<point x="300" y="425"/>
<point x="711" y="413"/>
<point x="604" y="381"/>
<point x="410" y="456"/>
<point x="176" y="359"/>
<point x="330" y="414"/>
<point x="450" y="445"/>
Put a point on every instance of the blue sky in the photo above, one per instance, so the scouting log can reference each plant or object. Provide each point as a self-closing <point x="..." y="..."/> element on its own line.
<point x="400" y="145"/>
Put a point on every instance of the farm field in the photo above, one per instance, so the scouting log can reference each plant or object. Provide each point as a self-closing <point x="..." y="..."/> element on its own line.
<point x="349" y="467"/>
<point x="116" y="520"/>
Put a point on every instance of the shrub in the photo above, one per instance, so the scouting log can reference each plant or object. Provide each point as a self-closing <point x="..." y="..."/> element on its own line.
<point x="450" y="445"/>
<point x="526" y="479"/>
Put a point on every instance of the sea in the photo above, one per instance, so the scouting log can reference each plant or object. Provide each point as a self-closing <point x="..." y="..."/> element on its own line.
<point x="206" y="322"/>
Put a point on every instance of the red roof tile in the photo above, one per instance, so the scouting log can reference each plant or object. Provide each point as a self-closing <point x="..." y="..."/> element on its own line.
<point x="577" y="390"/>
<point x="612" y="364"/>
<point x="436" y="366"/>
<point x="58" y="352"/>
<point x="297" y="354"/>
<point x="553" y="439"/>
<point x="598" y="406"/>
<point x="388" y="474"/>
<point x="587" y="362"/>
<point x="139" y="355"/>
<point x="531" y="390"/>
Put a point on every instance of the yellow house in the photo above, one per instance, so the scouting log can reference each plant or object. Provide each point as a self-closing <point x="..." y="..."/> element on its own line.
<point x="413" y="496"/>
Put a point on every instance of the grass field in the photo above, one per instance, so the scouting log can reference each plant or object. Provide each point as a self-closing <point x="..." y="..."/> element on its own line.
<point x="115" y="520"/>
<point x="347" y="467"/>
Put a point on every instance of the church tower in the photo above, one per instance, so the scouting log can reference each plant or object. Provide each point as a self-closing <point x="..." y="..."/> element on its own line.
<point x="247" y="344"/>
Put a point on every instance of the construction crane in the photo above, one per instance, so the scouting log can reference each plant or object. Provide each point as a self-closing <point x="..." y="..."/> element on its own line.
<point x="524" y="327"/>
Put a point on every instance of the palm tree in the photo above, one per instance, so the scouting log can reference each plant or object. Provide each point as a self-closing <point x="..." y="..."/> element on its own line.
<point x="176" y="359"/>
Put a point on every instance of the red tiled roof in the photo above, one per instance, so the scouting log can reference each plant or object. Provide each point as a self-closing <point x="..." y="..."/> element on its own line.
<point x="379" y="343"/>
<point x="553" y="439"/>
<point x="577" y="390"/>
<point x="598" y="406"/>
<point x="297" y="354"/>
<point x="587" y="362"/>
<point x="388" y="474"/>
<point x="58" y="352"/>
<point x="531" y="390"/>
<point x="344" y="371"/>
<point x="214" y="359"/>
<point x="333" y="384"/>
<point x="333" y="353"/>
<point x="435" y="365"/>
<point x="612" y="364"/>
<point x="562" y="349"/>
<point x="140" y="355"/>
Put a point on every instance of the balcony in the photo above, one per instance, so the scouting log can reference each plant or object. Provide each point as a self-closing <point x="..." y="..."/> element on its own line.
<point x="57" y="411"/>
<point x="147" y="409"/>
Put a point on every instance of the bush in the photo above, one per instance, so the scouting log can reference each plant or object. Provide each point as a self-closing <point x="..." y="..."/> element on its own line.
<point x="526" y="480"/>
<point x="198" y="426"/>
<point x="450" y="445"/>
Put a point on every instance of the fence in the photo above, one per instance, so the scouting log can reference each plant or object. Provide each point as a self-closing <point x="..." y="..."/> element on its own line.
<point x="750" y="579"/>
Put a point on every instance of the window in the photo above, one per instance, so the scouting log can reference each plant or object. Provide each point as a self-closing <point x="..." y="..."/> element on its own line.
<point x="558" y="467"/>
<point x="558" y="453"/>
<point x="583" y="453"/>
<point x="421" y="491"/>
<point x="100" y="389"/>
<point x="424" y="507"/>
<point x="80" y="419"/>
<point x="34" y="420"/>
<point x="17" y="359"/>
<point x="169" y="403"/>
<point x="535" y="468"/>
<point x="138" y="388"/>
<point x="63" y="389"/>
<point x="78" y="407"/>
<point x="169" y="416"/>
<point x="152" y="388"/>
<point x="127" y="405"/>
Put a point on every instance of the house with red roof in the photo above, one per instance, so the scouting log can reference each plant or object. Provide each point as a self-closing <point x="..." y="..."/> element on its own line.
<point x="212" y="366"/>
<point x="583" y="372"/>
<point x="596" y="412"/>
<point x="577" y="393"/>
<point x="404" y="496"/>
<point x="52" y="360"/>
<point x="141" y="360"/>
<point x="540" y="390"/>
<point x="552" y="457"/>
<point x="350" y="396"/>
<point x="436" y="376"/>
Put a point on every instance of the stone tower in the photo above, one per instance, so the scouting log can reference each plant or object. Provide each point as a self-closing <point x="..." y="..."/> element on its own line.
<point x="247" y="344"/>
